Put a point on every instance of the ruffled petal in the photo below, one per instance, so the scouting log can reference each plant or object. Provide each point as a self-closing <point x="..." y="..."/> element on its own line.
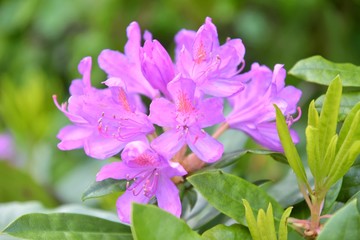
<point x="112" y="62"/>
<point x="101" y="147"/>
<point x="292" y="97"/>
<point x="73" y="137"/>
<point x="132" y="46"/>
<point x="210" y="112"/>
<point x="182" y="89"/>
<point x="205" y="147"/>
<point x="167" y="196"/>
<point x="168" y="143"/>
<point x="183" y="39"/>
<point x="267" y="136"/>
<point x="222" y="87"/>
<point x="123" y="204"/>
<point x="84" y="68"/>
<point x="162" y="112"/>
<point x="116" y="170"/>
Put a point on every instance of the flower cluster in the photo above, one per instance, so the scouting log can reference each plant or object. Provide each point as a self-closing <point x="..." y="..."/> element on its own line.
<point x="186" y="96"/>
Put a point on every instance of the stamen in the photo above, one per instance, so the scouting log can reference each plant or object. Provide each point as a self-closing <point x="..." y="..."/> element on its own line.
<point x="149" y="183"/>
<point x="123" y="100"/>
<point x="184" y="104"/>
<point x="290" y="120"/>
<point x="200" y="54"/>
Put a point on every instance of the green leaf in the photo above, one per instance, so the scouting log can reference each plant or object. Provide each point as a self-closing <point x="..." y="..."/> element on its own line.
<point x="351" y="182"/>
<point x="283" y="232"/>
<point x="225" y="192"/>
<point x="343" y="164"/>
<point x="270" y="223"/>
<point x="326" y="162"/>
<point x="345" y="224"/>
<point x="348" y="146"/>
<point x="348" y="101"/>
<point x="289" y="149"/>
<point x="152" y="223"/>
<point x="312" y="149"/>
<point x="348" y="126"/>
<point x="313" y="116"/>
<point x="319" y="70"/>
<point x="16" y="185"/>
<point x="189" y="198"/>
<point x="329" y="113"/>
<point x="331" y="196"/>
<point x="251" y="221"/>
<point x="105" y="187"/>
<point x="233" y="232"/>
<point x="66" y="226"/>
<point x="231" y="158"/>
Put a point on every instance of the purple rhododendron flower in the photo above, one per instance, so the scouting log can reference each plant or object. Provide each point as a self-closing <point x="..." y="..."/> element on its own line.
<point x="127" y="66"/>
<point x="253" y="111"/>
<point x="104" y="121"/>
<point x="214" y="68"/>
<point x="184" y="118"/>
<point x="151" y="174"/>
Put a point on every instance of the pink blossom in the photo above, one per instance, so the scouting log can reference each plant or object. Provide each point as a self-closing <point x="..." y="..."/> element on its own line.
<point x="151" y="174"/>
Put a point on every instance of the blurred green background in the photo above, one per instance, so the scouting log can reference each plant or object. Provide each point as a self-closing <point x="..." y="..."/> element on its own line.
<point x="42" y="41"/>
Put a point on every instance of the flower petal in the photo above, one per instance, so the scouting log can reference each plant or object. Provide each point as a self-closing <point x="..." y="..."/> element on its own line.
<point x="168" y="143"/>
<point x="123" y="204"/>
<point x="167" y="196"/>
<point x="157" y="66"/>
<point x="210" y="112"/>
<point x="205" y="147"/>
<point x="73" y="137"/>
<point x="101" y="147"/>
<point x="162" y="112"/>
<point x="222" y="87"/>
<point x="116" y="170"/>
<point x="84" y="68"/>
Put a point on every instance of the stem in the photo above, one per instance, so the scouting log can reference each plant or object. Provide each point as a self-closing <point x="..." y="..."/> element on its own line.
<point x="316" y="208"/>
<point x="223" y="127"/>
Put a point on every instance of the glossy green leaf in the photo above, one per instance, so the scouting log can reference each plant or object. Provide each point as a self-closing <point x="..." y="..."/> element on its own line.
<point x="283" y="229"/>
<point x="329" y="113"/>
<point x="344" y="224"/>
<point x="67" y="226"/>
<point x="348" y="101"/>
<point x="289" y="149"/>
<point x="225" y="192"/>
<point x="105" y="187"/>
<point x="152" y="223"/>
<point x="233" y="232"/>
<point x="16" y="185"/>
<point x="319" y="70"/>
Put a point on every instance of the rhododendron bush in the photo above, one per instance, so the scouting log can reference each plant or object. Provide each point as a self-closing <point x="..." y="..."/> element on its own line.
<point x="158" y="122"/>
